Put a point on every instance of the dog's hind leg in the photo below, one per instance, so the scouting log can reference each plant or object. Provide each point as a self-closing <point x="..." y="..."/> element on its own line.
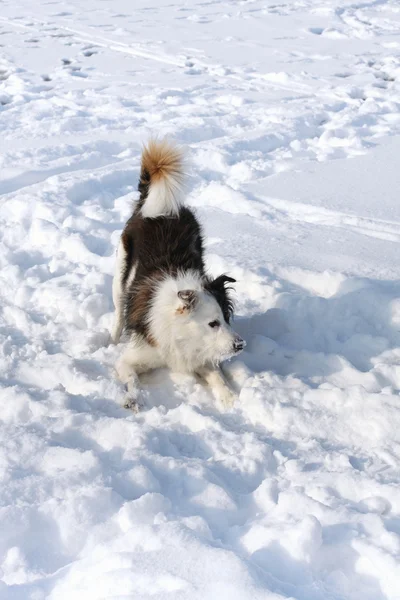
<point x="118" y="293"/>
<point x="139" y="357"/>
<point x="219" y="387"/>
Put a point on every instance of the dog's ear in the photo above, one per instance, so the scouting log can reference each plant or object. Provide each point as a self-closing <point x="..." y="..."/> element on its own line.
<point x="189" y="299"/>
<point x="220" y="290"/>
<point x="222" y="280"/>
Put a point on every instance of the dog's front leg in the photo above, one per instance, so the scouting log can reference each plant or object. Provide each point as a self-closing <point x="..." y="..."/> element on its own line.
<point x="139" y="357"/>
<point x="130" y="377"/>
<point x="215" y="379"/>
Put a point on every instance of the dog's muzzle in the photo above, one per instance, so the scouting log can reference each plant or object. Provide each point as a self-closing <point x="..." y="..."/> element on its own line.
<point x="238" y="345"/>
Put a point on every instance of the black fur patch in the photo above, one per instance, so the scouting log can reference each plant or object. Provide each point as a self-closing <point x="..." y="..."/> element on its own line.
<point x="220" y="290"/>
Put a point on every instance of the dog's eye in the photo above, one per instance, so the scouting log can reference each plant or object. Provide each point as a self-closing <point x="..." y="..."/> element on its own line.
<point x="214" y="324"/>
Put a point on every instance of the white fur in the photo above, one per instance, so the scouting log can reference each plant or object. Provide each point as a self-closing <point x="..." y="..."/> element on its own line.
<point x="117" y="293"/>
<point x="216" y="381"/>
<point x="185" y="342"/>
<point x="164" y="198"/>
<point x="131" y="276"/>
<point x="184" y="337"/>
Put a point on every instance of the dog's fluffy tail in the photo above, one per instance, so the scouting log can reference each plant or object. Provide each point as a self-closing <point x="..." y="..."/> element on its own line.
<point x="161" y="179"/>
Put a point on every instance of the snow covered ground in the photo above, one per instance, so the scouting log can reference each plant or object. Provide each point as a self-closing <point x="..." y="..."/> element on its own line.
<point x="290" y="110"/>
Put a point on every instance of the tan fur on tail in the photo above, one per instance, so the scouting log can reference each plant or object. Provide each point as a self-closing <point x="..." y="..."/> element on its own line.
<point x="164" y="163"/>
<point x="161" y="158"/>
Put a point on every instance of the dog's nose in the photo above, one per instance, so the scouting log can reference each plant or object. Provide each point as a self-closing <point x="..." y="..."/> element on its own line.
<point x="238" y="344"/>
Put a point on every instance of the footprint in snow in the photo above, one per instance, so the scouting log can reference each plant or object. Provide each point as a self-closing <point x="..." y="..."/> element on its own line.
<point x="5" y="99"/>
<point x="89" y="52"/>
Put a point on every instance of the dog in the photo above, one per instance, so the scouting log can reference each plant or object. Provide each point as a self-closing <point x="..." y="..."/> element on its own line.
<point x="175" y="315"/>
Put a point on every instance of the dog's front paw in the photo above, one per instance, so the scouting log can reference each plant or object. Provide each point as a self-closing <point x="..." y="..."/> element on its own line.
<point x="227" y="397"/>
<point x="133" y="401"/>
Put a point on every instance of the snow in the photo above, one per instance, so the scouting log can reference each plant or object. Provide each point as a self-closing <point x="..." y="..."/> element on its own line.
<point x="290" y="114"/>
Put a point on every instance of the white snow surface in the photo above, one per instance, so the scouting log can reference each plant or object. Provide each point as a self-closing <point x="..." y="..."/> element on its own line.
<point x="290" y="112"/>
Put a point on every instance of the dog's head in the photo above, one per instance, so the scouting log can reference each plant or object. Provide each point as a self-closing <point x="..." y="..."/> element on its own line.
<point x="202" y="322"/>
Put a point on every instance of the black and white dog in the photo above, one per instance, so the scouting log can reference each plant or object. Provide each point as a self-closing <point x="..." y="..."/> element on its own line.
<point x="175" y="315"/>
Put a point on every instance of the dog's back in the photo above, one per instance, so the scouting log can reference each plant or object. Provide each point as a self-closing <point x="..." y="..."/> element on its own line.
<point x="167" y="244"/>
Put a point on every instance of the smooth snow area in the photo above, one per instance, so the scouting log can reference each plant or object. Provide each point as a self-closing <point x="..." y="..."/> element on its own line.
<point x="290" y="110"/>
